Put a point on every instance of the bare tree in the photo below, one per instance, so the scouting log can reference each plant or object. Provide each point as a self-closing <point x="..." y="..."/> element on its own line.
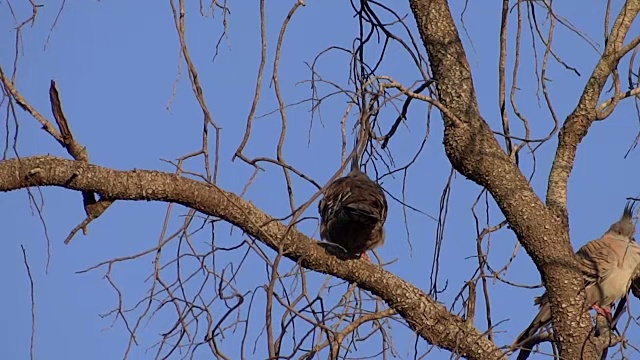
<point x="232" y="278"/>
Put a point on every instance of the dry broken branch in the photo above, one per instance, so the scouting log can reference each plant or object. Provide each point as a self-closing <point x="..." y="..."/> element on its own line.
<point x="65" y="138"/>
<point x="92" y="208"/>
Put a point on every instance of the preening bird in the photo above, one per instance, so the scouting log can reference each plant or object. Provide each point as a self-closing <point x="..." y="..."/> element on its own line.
<point x="607" y="265"/>
<point x="352" y="212"/>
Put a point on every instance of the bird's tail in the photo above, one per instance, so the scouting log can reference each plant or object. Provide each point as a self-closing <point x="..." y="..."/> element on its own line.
<point x="360" y="142"/>
<point x="355" y="163"/>
<point x="542" y="318"/>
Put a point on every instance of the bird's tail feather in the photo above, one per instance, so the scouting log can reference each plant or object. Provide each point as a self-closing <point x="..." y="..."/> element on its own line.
<point x="542" y="318"/>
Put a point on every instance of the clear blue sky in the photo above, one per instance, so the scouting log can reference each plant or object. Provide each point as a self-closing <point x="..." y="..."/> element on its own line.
<point x="116" y="63"/>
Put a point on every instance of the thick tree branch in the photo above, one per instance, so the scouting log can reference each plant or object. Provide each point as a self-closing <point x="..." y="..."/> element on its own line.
<point x="426" y="317"/>
<point x="586" y="112"/>
<point x="474" y="152"/>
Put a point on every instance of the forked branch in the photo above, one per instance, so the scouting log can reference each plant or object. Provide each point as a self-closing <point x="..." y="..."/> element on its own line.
<point x="474" y="152"/>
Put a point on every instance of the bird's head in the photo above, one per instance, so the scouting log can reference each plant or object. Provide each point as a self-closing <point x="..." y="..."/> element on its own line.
<point x="625" y="225"/>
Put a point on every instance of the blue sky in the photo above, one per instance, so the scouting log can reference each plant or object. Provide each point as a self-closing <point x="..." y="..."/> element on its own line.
<point x="116" y="63"/>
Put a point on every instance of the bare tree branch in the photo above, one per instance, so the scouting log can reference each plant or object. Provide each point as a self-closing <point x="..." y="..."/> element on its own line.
<point x="193" y="273"/>
<point x="426" y="317"/>
<point x="586" y="112"/>
<point x="475" y="152"/>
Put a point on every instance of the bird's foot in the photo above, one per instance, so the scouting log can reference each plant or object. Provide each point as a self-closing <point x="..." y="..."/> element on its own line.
<point x="604" y="311"/>
<point x="365" y="257"/>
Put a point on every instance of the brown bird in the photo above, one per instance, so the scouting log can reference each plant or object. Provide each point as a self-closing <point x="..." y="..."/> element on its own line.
<point x="607" y="265"/>
<point x="352" y="212"/>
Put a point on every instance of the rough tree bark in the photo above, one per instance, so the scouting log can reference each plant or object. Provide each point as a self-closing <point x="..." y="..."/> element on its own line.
<point x="473" y="151"/>
<point x="425" y="316"/>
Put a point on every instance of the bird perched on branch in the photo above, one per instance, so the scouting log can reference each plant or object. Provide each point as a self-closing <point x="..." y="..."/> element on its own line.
<point x="607" y="264"/>
<point x="352" y="212"/>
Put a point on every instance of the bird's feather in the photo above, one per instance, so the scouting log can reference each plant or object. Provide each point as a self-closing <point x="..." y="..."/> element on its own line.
<point x="608" y="265"/>
<point x="352" y="213"/>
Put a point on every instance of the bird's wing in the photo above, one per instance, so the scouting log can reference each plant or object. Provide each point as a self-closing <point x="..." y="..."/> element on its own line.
<point x="367" y="199"/>
<point x="635" y="282"/>
<point x="334" y="195"/>
<point x="356" y="196"/>
<point x="597" y="259"/>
